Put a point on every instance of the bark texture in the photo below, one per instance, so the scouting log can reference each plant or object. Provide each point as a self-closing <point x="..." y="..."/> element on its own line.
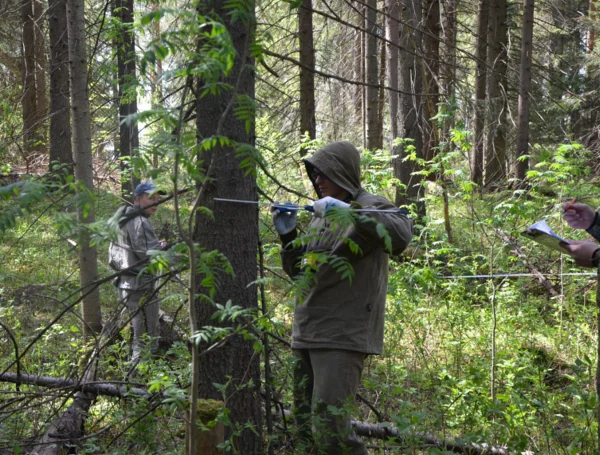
<point x="410" y="107"/>
<point x="60" y="104"/>
<point x="84" y="171"/>
<point x="234" y="232"/>
<point x="128" y="131"/>
<point x="495" y="148"/>
<point x="307" y="68"/>
<point x="371" y="74"/>
<point x="522" y="164"/>
<point x="480" y="86"/>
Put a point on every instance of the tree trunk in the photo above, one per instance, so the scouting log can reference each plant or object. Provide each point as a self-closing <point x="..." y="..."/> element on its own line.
<point x="128" y="131"/>
<point x="234" y="232"/>
<point x="480" y="85"/>
<point x="84" y="172"/>
<point x="591" y="38"/>
<point x="29" y="92"/>
<point x="431" y="48"/>
<point x="410" y="107"/>
<point x="358" y="70"/>
<point x="495" y="149"/>
<point x="41" y="67"/>
<point x="60" y="118"/>
<point x="307" y="75"/>
<point x="392" y="35"/>
<point x="521" y="164"/>
<point x="371" y="73"/>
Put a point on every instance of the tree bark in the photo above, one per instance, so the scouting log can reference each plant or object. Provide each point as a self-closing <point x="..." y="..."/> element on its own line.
<point x="480" y="85"/>
<point x="126" y="72"/>
<point x="392" y="35"/>
<point x="358" y="70"/>
<point x="522" y="164"/>
<point x="29" y="91"/>
<point x="307" y="75"/>
<point x="410" y="107"/>
<point x="431" y="48"/>
<point x="60" y="115"/>
<point x="234" y="233"/>
<point x="84" y="171"/>
<point x="495" y="148"/>
<point x="371" y="74"/>
<point x="41" y="68"/>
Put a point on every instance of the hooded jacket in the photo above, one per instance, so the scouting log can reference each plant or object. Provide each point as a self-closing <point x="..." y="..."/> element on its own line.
<point x="338" y="313"/>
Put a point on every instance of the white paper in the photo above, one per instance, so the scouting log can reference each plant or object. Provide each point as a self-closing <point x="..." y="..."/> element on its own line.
<point x="541" y="233"/>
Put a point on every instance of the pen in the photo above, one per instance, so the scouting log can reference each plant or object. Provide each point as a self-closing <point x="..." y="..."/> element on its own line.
<point x="570" y="204"/>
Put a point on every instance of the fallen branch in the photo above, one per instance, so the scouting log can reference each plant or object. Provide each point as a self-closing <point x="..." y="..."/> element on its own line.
<point x="366" y="430"/>
<point x="532" y="268"/>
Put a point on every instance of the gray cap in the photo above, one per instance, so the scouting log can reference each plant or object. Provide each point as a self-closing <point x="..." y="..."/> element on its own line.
<point x="146" y="187"/>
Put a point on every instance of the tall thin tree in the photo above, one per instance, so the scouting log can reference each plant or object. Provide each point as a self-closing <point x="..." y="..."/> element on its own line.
<point x="480" y="86"/>
<point x="495" y="147"/>
<point x="60" y="105"/>
<point x="307" y="70"/>
<point x="522" y="163"/>
<point x="410" y="107"/>
<point x="126" y="69"/>
<point x="84" y="171"/>
<point x="371" y="74"/>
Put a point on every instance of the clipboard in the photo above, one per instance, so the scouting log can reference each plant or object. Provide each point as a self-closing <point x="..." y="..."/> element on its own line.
<point x="541" y="233"/>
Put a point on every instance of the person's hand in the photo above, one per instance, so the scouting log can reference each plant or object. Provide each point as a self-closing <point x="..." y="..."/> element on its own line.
<point x="582" y="251"/>
<point x="163" y="245"/>
<point x="284" y="222"/>
<point x="578" y="215"/>
<point x="321" y="206"/>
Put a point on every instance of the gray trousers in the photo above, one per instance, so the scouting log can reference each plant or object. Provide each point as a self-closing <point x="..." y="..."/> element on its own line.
<point x="144" y="318"/>
<point x="322" y="378"/>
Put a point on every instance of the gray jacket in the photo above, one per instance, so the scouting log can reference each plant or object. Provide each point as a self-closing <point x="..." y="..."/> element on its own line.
<point x="338" y="313"/>
<point x="134" y="240"/>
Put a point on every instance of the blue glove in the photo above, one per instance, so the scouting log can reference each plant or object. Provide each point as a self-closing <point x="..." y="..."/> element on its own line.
<point x="321" y="206"/>
<point x="284" y="222"/>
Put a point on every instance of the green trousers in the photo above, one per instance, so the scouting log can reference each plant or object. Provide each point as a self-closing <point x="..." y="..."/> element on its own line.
<point x="325" y="379"/>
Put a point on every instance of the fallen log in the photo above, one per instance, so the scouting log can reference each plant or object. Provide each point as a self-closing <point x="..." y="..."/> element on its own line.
<point x="74" y="417"/>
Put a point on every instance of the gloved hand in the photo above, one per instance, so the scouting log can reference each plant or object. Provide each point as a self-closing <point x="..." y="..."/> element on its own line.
<point x="284" y="222"/>
<point x="321" y="206"/>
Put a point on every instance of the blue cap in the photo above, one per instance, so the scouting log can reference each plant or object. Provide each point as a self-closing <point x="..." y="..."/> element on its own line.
<point x="145" y="187"/>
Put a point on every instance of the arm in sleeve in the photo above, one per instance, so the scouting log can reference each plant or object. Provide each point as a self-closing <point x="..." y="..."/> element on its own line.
<point x="398" y="226"/>
<point x="142" y="236"/>
<point x="594" y="229"/>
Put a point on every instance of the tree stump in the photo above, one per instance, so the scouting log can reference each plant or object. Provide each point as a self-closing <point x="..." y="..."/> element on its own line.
<point x="208" y="438"/>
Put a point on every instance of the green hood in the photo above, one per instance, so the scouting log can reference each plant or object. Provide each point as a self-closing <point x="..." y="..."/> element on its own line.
<point x="340" y="163"/>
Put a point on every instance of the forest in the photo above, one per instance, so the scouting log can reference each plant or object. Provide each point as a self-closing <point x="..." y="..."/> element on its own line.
<point x="476" y="118"/>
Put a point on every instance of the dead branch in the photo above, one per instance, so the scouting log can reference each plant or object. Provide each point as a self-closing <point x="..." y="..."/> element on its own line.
<point x="532" y="268"/>
<point x="78" y="409"/>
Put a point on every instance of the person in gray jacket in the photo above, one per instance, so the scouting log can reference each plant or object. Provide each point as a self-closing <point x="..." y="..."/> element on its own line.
<point x="129" y="254"/>
<point x="339" y="321"/>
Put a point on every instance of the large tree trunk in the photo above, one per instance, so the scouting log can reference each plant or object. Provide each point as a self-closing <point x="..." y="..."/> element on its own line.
<point x="495" y="149"/>
<point x="371" y="73"/>
<point x="307" y="68"/>
<point x="60" y="115"/>
<point x="480" y="85"/>
<point x="84" y="172"/>
<point x="521" y="164"/>
<point x="431" y="48"/>
<point x="234" y="232"/>
<point x="410" y="107"/>
<point x="128" y="131"/>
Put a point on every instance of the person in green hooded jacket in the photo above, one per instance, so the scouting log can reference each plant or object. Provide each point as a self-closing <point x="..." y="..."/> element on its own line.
<point x="339" y="322"/>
